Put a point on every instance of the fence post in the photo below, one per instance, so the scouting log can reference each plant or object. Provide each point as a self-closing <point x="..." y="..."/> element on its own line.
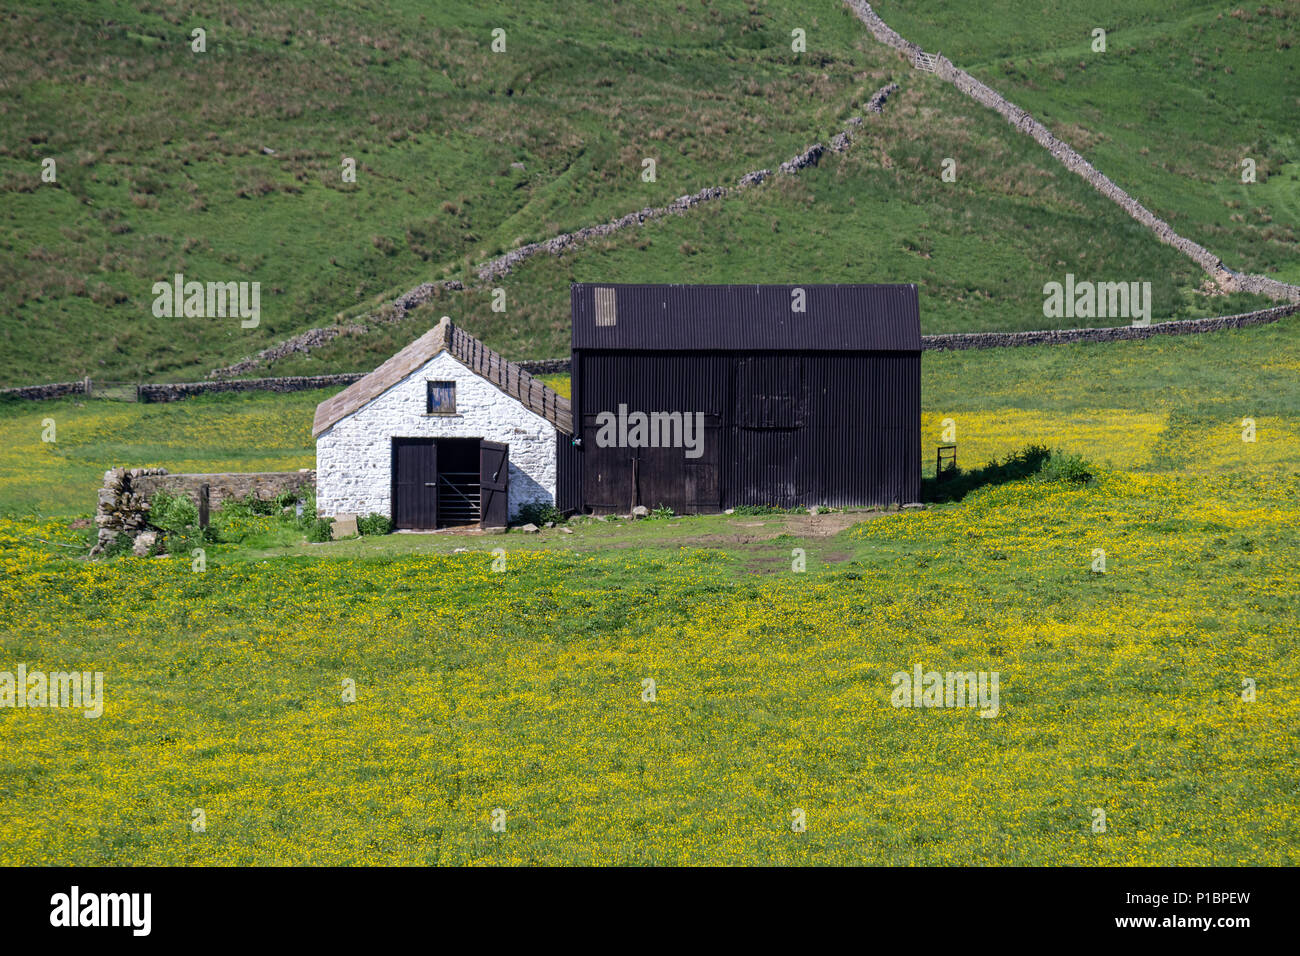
<point x="204" y="492"/>
<point x="85" y="386"/>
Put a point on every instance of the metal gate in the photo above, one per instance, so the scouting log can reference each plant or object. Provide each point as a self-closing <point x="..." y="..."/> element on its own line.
<point x="458" y="498"/>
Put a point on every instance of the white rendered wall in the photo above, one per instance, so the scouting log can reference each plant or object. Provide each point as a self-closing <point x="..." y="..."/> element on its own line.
<point x="354" y="456"/>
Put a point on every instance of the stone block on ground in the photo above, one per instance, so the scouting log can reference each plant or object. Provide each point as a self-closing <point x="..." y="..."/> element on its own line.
<point x="144" y="544"/>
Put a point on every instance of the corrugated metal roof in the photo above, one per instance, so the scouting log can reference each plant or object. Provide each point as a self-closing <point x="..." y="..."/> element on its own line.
<point x="746" y="317"/>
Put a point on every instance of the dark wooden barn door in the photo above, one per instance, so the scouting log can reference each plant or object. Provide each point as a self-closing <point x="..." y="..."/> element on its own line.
<point x="494" y="483"/>
<point x="415" y="483"/>
<point x="703" y="475"/>
<point x="606" y="472"/>
<point x="617" y="479"/>
<point x="666" y="476"/>
<point x="771" y="409"/>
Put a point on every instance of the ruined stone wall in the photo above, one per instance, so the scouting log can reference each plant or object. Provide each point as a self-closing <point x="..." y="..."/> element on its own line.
<point x="120" y="510"/>
<point x="123" y="505"/>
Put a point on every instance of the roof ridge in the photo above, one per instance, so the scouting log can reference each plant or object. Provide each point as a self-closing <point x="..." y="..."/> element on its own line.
<point x="488" y="364"/>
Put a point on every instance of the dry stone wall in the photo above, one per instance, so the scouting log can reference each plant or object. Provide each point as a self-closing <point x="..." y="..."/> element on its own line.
<point x="120" y="509"/>
<point x="224" y="486"/>
<point x="1068" y="157"/>
<point x="992" y="340"/>
<point x="877" y="102"/>
<point x="545" y="366"/>
<point x="176" y="391"/>
<point x="53" y="390"/>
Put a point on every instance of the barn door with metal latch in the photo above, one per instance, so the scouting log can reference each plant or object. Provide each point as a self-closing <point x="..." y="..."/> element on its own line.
<point x="415" y="484"/>
<point x="494" y="483"/>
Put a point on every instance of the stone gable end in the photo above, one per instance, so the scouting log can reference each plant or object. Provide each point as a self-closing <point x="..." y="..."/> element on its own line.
<point x="354" y="455"/>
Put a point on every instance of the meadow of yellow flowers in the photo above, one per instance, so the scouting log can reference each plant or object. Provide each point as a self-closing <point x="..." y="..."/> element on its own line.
<point x="523" y="690"/>
<point x="325" y="706"/>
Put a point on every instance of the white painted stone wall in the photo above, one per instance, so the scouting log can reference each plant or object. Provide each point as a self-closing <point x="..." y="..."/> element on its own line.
<point x="354" y="456"/>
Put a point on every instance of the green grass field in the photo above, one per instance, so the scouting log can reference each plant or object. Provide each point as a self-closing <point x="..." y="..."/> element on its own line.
<point x="162" y="164"/>
<point x="521" y="691"/>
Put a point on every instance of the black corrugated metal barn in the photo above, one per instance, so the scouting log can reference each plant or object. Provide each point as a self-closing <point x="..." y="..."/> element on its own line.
<point x="703" y="398"/>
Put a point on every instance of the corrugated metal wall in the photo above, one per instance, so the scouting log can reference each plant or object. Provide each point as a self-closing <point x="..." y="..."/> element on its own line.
<point x="785" y="428"/>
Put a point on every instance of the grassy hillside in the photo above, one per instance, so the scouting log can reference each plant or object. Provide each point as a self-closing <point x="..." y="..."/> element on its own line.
<point x="980" y="249"/>
<point x="225" y="166"/>
<point x="161" y="163"/>
<point x="1222" y="76"/>
<point x="521" y="690"/>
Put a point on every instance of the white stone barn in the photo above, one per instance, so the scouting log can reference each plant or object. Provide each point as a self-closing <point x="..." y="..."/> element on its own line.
<point x="444" y="433"/>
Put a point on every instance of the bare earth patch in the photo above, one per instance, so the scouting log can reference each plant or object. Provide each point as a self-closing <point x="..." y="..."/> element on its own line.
<point x="752" y="530"/>
<point x="827" y="524"/>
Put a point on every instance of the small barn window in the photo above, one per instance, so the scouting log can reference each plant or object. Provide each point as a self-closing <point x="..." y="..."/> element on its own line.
<point x="442" y="398"/>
